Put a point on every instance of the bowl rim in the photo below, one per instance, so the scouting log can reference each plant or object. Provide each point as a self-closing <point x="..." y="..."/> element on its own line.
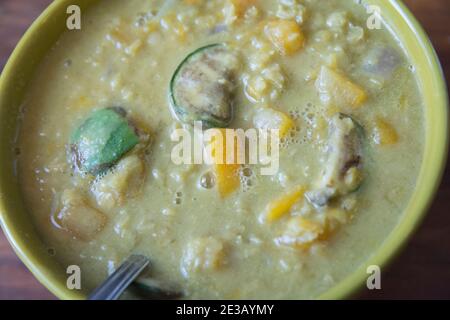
<point x="384" y="253"/>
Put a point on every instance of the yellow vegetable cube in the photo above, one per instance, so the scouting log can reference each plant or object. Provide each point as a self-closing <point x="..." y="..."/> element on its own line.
<point x="121" y="183"/>
<point x="301" y="233"/>
<point x="384" y="133"/>
<point x="335" y="89"/>
<point x="281" y="206"/>
<point x="203" y="255"/>
<point x="227" y="175"/>
<point x="285" y="35"/>
<point x="267" y="118"/>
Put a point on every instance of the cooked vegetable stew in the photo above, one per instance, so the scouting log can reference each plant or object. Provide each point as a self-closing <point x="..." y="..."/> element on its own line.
<point x="95" y="163"/>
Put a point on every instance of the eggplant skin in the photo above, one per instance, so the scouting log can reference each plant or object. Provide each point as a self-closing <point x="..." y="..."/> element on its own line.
<point x="343" y="169"/>
<point x="102" y="140"/>
<point x="202" y="87"/>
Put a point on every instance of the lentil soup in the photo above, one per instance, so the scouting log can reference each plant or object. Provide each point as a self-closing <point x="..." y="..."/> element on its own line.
<point x="95" y="143"/>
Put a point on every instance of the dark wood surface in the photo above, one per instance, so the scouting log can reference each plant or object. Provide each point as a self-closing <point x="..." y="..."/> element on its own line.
<point x="421" y="271"/>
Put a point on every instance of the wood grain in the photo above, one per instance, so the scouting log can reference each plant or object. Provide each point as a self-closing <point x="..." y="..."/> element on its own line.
<point x="421" y="271"/>
<point x="16" y="282"/>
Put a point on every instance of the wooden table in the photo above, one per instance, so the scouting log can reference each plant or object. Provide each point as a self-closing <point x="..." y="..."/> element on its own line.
<point x="421" y="271"/>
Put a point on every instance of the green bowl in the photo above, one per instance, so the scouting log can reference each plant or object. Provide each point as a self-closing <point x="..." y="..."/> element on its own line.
<point x="45" y="31"/>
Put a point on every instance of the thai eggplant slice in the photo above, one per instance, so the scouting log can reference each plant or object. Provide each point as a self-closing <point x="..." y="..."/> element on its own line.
<point x="202" y="87"/>
<point x="343" y="168"/>
<point x="102" y="140"/>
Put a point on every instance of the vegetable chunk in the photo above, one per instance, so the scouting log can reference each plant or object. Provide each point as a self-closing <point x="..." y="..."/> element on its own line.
<point x="202" y="88"/>
<point x="384" y="133"/>
<point x="301" y="233"/>
<point x="267" y="118"/>
<point x="281" y="206"/>
<point x="78" y="217"/>
<point x="285" y="35"/>
<point x="203" y="254"/>
<point x="335" y="89"/>
<point x="121" y="183"/>
<point x="102" y="140"/>
<point x="343" y="171"/>
<point x="227" y="174"/>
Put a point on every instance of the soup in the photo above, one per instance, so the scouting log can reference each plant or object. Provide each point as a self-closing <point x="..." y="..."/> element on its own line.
<point x="96" y="144"/>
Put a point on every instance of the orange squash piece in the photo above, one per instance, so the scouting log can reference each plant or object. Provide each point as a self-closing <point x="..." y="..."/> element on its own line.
<point x="227" y="175"/>
<point x="285" y="35"/>
<point x="384" y="133"/>
<point x="281" y="206"/>
<point x="336" y="89"/>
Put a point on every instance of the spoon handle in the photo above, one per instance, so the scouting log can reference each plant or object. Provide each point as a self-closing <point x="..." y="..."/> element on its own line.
<point x="116" y="283"/>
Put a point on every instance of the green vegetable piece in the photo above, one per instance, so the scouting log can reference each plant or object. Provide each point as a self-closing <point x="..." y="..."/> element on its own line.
<point x="102" y="140"/>
<point x="202" y="87"/>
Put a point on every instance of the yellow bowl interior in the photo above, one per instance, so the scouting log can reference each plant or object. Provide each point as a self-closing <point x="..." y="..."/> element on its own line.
<point x="44" y="33"/>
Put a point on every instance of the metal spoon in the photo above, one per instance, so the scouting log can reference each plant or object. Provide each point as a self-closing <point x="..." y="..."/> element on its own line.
<point x="113" y="287"/>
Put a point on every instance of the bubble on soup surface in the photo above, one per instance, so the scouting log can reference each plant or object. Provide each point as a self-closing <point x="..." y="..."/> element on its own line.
<point x="246" y="184"/>
<point x="247" y="177"/>
<point x="290" y="138"/>
<point x="295" y="114"/>
<point x="207" y="180"/>
<point x="247" y="172"/>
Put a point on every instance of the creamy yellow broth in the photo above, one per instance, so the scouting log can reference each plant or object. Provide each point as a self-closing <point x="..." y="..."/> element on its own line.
<point x="206" y="244"/>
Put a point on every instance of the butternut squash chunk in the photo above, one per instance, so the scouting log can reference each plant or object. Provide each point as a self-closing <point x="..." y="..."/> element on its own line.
<point x="203" y="255"/>
<point x="227" y="174"/>
<point x="301" y="233"/>
<point x="384" y="133"/>
<point x="335" y="89"/>
<point x="120" y="184"/>
<point x="281" y="206"/>
<point x="285" y="35"/>
<point x="267" y="118"/>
